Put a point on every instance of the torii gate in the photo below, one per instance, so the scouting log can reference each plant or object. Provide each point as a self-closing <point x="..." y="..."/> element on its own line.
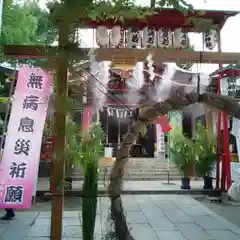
<point x="122" y="56"/>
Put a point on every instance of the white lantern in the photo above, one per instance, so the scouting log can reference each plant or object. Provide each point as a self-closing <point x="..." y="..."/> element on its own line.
<point x="102" y="37"/>
<point x="149" y="37"/>
<point x="164" y="37"/>
<point x="115" y="36"/>
<point x="180" y="39"/>
<point x="210" y="39"/>
<point x="122" y="39"/>
<point x="133" y="38"/>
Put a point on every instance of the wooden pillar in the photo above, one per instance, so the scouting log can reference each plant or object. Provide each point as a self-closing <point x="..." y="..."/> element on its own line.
<point x="59" y="129"/>
<point x="106" y="112"/>
<point x="129" y="127"/>
<point x="226" y="165"/>
<point x="119" y="132"/>
<point x="223" y="117"/>
<point x="209" y="123"/>
<point x="219" y="123"/>
<point x="52" y="185"/>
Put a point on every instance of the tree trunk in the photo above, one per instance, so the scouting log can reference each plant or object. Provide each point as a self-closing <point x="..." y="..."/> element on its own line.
<point x="117" y="213"/>
<point x="148" y="115"/>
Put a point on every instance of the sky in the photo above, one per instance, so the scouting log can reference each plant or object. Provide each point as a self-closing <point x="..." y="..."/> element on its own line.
<point x="230" y="35"/>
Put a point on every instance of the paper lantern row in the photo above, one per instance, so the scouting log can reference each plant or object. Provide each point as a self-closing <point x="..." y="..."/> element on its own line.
<point x="146" y="38"/>
<point x="119" y="113"/>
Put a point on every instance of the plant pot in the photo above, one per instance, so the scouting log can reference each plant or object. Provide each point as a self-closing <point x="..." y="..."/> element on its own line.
<point x="208" y="183"/>
<point x="185" y="183"/>
<point x="68" y="183"/>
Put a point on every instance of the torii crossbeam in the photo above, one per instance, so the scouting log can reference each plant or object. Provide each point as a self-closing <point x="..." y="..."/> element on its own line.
<point x="124" y="55"/>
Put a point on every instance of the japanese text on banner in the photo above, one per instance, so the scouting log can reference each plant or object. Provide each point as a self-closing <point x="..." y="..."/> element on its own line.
<point x="21" y="153"/>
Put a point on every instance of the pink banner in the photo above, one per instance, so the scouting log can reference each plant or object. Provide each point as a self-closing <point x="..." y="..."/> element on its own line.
<point x="21" y="154"/>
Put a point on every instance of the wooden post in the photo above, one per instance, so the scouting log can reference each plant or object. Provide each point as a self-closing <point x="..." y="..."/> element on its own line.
<point x="219" y="123"/>
<point x="52" y="185"/>
<point x="60" y="128"/>
<point x="119" y="132"/>
<point x="209" y="123"/>
<point x="223" y="116"/>
<point x="106" y="114"/>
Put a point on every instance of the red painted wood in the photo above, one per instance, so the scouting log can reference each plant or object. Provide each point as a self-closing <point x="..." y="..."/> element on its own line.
<point x="167" y="18"/>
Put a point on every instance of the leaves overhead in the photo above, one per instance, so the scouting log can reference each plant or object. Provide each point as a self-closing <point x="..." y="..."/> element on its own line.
<point x="118" y="10"/>
<point x="26" y="23"/>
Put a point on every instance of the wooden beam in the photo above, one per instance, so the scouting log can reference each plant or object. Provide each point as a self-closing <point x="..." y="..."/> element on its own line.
<point x="39" y="51"/>
<point x="125" y="55"/>
<point x="128" y="56"/>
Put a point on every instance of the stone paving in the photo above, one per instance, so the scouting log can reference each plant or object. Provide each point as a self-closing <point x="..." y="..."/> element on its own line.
<point x="155" y="217"/>
<point x="43" y="185"/>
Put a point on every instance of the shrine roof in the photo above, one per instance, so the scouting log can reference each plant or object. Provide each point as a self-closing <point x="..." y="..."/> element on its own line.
<point x="171" y="18"/>
<point x="230" y="70"/>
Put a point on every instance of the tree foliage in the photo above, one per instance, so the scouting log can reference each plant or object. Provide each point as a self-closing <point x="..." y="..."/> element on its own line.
<point x="26" y="23"/>
<point x="45" y="31"/>
<point x="118" y="10"/>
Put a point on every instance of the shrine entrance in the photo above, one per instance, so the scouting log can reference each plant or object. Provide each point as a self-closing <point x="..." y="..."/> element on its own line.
<point x="116" y="128"/>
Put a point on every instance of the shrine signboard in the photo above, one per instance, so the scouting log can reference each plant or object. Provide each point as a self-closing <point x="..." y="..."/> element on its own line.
<point x="21" y="154"/>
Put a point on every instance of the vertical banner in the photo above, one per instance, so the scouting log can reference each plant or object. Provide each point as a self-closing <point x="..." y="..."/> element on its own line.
<point x="24" y="137"/>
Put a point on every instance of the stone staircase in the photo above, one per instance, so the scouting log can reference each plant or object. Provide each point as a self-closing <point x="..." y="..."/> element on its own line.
<point x="139" y="169"/>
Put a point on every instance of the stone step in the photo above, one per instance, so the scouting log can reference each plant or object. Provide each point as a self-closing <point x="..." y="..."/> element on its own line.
<point x="139" y="167"/>
<point x="138" y="178"/>
<point x="135" y="169"/>
<point x="134" y="174"/>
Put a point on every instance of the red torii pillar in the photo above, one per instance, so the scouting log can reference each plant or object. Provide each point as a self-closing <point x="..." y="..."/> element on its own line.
<point x="223" y="156"/>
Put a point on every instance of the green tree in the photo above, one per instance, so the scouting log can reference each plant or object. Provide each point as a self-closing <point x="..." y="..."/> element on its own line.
<point x="45" y="31"/>
<point x="26" y="23"/>
<point x="19" y="25"/>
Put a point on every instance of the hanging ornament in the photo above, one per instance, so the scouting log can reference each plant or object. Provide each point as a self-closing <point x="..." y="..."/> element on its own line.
<point x="137" y="80"/>
<point x="150" y="67"/>
<point x="133" y="38"/>
<point x="117" y="113"/>
<point x="115" y="36"/>
<point x="180" y="39"/>
<point x="122" y="39"/>
<point x="110" y="112"/>
<point x="121" y="113"/>
<point x="210" y="39"/>
<point x="164" y="37"/>
<point x="102" y="37"/>
<point x="125" y="114"/>
<point x="149" y="37"/>
<point x="100" y="70"/>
